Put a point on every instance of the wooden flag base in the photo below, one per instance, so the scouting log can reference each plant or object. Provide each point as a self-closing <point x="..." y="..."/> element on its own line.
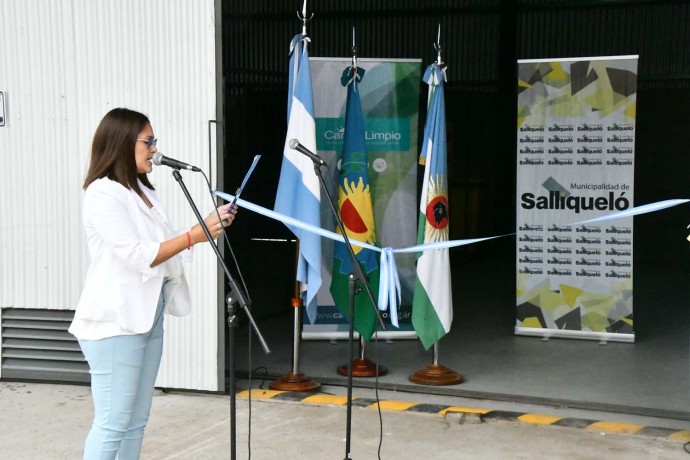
<point x="436" y="374"/>
<point x="294" y="382"/>
<point x="362" y="368"/>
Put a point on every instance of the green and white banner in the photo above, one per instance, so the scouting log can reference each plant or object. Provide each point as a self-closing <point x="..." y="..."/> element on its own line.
<point x="389" y="95"/>
<point x="575" y="161"/>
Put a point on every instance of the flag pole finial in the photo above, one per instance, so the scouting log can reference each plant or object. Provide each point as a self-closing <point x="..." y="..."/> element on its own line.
<point x="437" y="46"/>
<point x="303" y="17"/>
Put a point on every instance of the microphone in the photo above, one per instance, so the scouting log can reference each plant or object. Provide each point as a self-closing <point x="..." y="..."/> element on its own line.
<point x="161" y="160"/>
<point x="295" y="145"/>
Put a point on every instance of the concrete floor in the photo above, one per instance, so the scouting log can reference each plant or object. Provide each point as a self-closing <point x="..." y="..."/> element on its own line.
<point x="650" y="377"/>
<point x="45" y="421"/>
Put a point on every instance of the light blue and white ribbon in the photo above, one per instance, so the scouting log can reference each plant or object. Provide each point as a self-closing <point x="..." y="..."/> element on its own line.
<point x="389" y="284"/>
<point x="644" y="209"/>
<point x="389" y="279"/>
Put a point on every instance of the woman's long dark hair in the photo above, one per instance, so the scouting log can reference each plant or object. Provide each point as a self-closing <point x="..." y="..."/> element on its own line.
<point x="112" y="150"/>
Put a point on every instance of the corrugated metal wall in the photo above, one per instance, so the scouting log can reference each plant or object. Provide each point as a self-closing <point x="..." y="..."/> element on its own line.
<point x="259" y="34"/>
<point x="63" y="65"/>
<point x="657" y="30"/>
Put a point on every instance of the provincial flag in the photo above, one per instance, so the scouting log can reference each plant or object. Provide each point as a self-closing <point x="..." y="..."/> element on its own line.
<point x="299" y="193"/>
<point x="432" y="307"/>
<point x="354" y="202"/>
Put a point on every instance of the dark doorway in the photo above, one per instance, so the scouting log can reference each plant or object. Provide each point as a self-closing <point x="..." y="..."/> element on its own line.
<point x="482" y="41"/>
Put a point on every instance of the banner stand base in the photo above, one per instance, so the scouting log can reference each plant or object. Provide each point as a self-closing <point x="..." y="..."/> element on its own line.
<point x="436" y="374"/>
<point x="363" y="368"/>
<point x="297" y="382"/>
<point x="574" y="334"/>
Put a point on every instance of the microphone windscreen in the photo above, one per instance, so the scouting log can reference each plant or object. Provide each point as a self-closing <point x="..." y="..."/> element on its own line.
<point x="294" y="143"/>
<point x="158" y="158"/>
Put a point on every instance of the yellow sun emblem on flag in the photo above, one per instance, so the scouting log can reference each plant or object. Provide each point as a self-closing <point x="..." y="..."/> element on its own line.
<point x="357" y="212"/>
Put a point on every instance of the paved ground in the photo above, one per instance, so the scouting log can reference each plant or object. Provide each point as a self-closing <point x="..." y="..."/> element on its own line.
<point x="43" y="421"/>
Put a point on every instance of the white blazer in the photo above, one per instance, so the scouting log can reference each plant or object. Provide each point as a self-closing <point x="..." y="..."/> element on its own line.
<point x="121" y="287"/>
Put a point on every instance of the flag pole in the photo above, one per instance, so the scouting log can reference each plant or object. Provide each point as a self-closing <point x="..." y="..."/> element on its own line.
<point x="437" y="374"/>
<point x="357" y="281"/>
<point x="360" y="367"/>
<point x="295" y="380"/>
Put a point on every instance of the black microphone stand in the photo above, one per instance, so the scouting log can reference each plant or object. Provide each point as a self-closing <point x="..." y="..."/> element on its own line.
<point x="356" y="275"/>
<point x="234" y="297"/>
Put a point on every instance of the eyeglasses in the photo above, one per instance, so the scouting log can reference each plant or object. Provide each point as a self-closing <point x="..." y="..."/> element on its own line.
<point x="150" y="141"/>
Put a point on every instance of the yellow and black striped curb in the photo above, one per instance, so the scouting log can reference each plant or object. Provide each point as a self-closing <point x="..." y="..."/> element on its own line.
<point x="599" y="426"/>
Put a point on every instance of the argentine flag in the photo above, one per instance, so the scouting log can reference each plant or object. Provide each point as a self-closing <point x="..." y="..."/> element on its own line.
<point x="432" y="307"/>
<point x="299" y="195"/>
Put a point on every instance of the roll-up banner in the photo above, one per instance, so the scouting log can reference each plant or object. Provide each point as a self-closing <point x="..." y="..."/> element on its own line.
<point x="575" y="161"/>
<point x="389" y="94"/>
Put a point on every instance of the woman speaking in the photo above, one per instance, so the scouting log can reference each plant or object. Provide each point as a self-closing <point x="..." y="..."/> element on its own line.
<point x="135" y="276"/>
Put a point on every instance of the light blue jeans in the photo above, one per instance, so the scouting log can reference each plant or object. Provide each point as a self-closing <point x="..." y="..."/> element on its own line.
<point x="123" y="372"/>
